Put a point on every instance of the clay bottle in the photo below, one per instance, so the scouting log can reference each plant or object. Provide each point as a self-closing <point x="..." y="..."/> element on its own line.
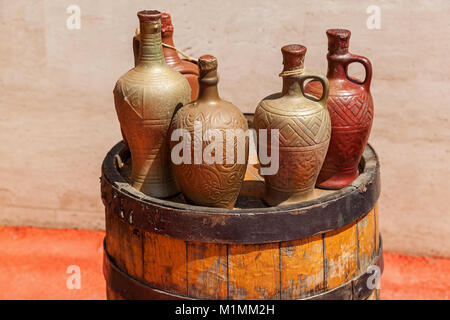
<point x="187" y="68"/>
<point x="145" y="99"/>
<point x="304" y="132"/>
<point x="351" y="110"/>
<point x="214" y="163"/>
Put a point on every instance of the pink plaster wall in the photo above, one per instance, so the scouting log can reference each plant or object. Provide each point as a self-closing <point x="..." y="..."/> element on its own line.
<point x="57" y="117"/>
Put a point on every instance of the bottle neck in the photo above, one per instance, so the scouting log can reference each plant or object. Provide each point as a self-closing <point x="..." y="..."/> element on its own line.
<point x="336" y="67"/>
<point x="208" y="87"/>
<point x="170" y="55"/>
<point x="150" y="49"/>
<point x="291" y="85"/>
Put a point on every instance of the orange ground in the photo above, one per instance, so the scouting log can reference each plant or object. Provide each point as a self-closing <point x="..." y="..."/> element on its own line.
<point x="33" y="264"/>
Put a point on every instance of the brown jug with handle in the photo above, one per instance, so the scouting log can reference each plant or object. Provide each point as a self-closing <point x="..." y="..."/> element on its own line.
<point x="304" y="128"/>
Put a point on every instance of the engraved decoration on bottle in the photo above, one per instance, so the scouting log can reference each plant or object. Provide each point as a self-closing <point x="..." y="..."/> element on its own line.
<point x="351" y="110"/>
<point x="211" y="184"/>
<point x="304" y="131"/>
<point x="145" y="99"/>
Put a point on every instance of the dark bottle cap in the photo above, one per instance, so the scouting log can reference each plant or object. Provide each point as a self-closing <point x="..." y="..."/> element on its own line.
<point x="293" y="56"/>
<point x="338" y="40"/>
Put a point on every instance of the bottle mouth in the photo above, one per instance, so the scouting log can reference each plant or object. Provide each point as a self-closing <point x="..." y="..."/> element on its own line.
<point x="149" y="15"/>
<point x="343" y="34"/>
<point x="294" y="49"/>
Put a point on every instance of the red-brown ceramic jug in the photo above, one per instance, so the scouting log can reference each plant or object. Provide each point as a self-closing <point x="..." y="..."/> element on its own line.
<point x="186" y="68"/>
<point x="350" y="106"/>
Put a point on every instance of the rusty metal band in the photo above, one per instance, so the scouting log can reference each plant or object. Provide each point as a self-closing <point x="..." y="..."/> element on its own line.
<point x="132" y="289"/>
<point x="238" y="226"/>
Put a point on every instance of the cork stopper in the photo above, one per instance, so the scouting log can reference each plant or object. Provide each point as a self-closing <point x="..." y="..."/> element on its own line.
<point x="149" y="15"/>
<point x="166" y="23"/>
<point x="293" y="57"/>
<point x="338" y="40"/>
<point x="207" y="64"/>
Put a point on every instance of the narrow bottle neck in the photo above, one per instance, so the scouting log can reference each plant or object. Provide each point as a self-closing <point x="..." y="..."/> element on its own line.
<point x="208" y="92"/>
<point x="208" y="87"/>
<point x="150" y="49"/>
<point x="291" y="85"/>
<point x="170" y="55"/>
<point x="336" y="67"/>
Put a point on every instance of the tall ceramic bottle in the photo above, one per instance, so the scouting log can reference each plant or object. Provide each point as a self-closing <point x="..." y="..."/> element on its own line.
<point x="187" y="68"/>
<point x="145" y="99"/>
<point x="351" y="110"/>
<point x="304" y="131"/>
<point x="205" y="176"/>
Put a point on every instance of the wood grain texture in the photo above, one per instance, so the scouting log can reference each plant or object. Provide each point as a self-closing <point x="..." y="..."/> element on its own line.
<point x="131" y="249"/>
<point x="113" y="237"/>
<point x="302" y="268"/>
<point x="340" y="256"/>
<point x="113" y="295"/>
<point x="254" y="271"/>
<point x="366" y="241"/>
<point x="377" y="228"/>
<point x="207" y="270"/>
<point x="165" y="263"/>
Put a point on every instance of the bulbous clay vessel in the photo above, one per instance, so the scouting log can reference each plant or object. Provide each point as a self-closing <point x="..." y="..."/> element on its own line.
<point x="145" y="99"/>
<point x="187" y="68"/>
<point x="351" y="110"/>
<point x="304" y="131"/>
<point x="205" y="176"/>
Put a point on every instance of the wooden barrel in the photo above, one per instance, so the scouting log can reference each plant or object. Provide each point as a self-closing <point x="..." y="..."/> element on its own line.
<point x="326" y="248"/>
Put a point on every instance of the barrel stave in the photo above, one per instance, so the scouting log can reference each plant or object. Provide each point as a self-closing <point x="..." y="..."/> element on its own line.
<point x="165" y="261"/>
<point x="340" y="256"/>
<point x="253" y="271"/>
<point x="366" y="240"/>
<point x="207" y="270"/>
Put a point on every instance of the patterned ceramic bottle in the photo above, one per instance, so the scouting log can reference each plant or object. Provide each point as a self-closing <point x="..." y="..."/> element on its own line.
<point x="205" y="175"/>
<point x="304" y="131"/>
<point x="187" y="68"/>
<point x="145" y="99"/>
<point x="351" y="110"/>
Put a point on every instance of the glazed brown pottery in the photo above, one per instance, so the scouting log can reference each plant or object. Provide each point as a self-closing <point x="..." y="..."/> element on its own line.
<point x="187" y="68"/>
<point x="351" y="110"/>
<point x="304" y="131"/>
<point x="214" y="182"/>
<point x="145" y="99"/>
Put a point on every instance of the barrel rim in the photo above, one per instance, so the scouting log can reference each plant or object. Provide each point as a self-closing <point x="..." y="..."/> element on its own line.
<point x="242" y="226"/>
<point x="111" y="173"/>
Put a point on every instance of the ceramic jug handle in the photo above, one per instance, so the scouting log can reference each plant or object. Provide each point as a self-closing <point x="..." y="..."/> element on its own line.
<point x="136" y="45"/>
<point x="325" y="87"/>
<point x="367" y="66"/>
